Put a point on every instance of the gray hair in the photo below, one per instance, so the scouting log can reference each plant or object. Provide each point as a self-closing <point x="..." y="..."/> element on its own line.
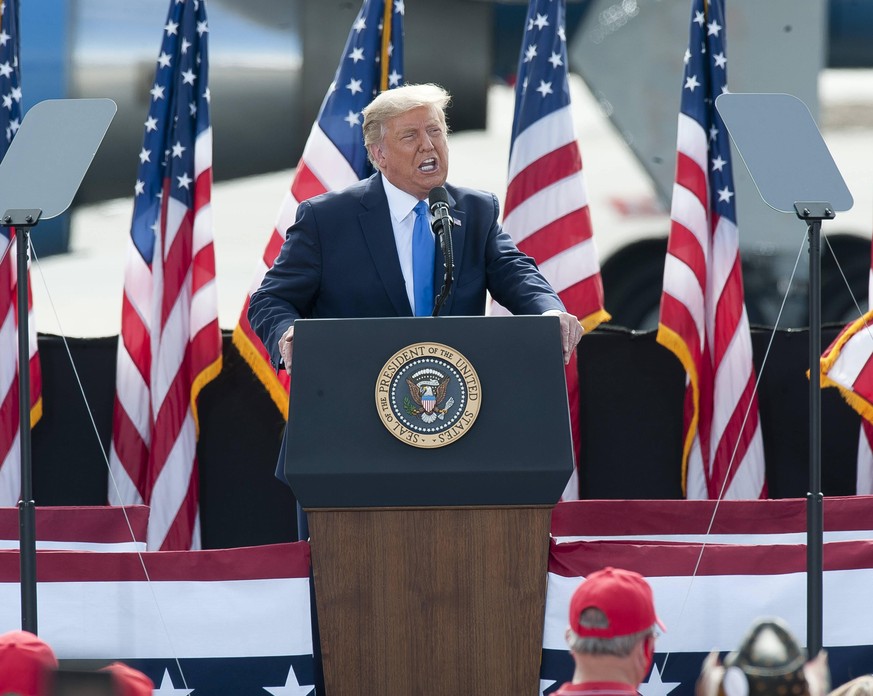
<point x="393" y="102"/>
<point x="620" y="646"/>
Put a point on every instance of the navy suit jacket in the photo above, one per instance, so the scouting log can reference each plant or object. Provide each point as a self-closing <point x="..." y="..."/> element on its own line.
<point x="339" y="260"/>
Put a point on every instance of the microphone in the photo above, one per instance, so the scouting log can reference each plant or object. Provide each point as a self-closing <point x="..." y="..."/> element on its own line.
<point x="438" y="201"/>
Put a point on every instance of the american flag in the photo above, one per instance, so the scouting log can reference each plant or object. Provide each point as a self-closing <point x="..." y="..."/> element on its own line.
<point x="754" y="550"/>
<point x="77" y="528"/>
<point x="864" y="478"/>
<point x="546" y="208"/>
<point x="10" y="119"/>
<point x="170" y="343"/>
<point x="703" y="316"/>
<point x="852" y="374"/>
<point x="334" y="155"/>
<point x="223" y="621"/>
<point x="731" y="585"/>
<point x="848" y="365"/>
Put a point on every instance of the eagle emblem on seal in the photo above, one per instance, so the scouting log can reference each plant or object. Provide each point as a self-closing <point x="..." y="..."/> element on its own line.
<point x="427" y="388"/>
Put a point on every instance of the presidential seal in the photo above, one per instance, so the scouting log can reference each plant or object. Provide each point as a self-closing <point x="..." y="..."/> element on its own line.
<point x="428" y="395"/>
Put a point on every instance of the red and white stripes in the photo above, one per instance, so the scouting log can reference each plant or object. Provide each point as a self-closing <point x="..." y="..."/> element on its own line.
<point x="864" y="478"/>
<point x="322" y="168"/>
<point x="546" y="214"/>
<point x="848" y="365"/>
<point x="703" y="320"/>
<point x="169" y="348"/>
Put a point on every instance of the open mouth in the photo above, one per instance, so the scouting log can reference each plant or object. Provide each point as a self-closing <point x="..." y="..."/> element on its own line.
<point x="428" y="166"/>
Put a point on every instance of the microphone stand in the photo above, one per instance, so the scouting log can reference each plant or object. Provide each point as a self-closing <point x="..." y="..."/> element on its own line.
<point x="445" y="237"/>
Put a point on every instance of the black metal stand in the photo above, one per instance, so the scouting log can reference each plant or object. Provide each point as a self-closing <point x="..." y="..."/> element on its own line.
<point x="445" y="241"/>
<point x="39" y="175"/>
<point x="813" y="213"/>
<point x="22" y="220"/>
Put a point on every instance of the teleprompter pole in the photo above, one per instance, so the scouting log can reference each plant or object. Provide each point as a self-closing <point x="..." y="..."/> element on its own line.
<point x="794" y="172"/>
<point x="39" y="176"/>
<point x="813" y="214"/>
<point x="22" y="221"/>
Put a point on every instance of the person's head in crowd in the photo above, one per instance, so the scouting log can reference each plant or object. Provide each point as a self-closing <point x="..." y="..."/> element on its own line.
<point x="405" y="134"/>
<point x="25" y="662"/>
<point x="129" y="681"/>
<point x="860" y="686"/>
<point x="613" y="626"/>
<point x="769" y="662"/>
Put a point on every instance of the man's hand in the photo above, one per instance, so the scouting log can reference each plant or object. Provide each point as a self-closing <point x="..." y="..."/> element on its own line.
<point x="286" y="347"/>
<point x="571" y="333"/>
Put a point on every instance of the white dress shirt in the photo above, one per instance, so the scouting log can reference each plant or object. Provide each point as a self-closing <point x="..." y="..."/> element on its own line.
<point x="402" y="205"/>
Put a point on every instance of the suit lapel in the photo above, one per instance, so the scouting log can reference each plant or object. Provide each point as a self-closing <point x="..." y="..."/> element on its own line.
<point x="375" y="220"/>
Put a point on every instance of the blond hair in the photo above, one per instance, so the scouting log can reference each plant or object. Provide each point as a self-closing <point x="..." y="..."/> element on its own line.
<point x="393" y="102"/>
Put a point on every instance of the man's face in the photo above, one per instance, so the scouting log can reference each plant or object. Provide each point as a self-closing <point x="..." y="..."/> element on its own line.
<point x="414" y="154"/>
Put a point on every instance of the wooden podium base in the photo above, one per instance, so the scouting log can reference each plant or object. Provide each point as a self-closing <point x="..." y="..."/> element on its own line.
<point x="432" y="601"/>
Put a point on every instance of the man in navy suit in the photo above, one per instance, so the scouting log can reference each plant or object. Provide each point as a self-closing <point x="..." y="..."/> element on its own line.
<point x="349" y="253"/>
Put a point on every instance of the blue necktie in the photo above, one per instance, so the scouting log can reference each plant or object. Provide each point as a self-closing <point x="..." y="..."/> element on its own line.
<point x="422" y="262"/>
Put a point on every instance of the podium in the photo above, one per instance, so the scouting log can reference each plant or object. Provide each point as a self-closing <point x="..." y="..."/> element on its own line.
<point x="428" y="454"/>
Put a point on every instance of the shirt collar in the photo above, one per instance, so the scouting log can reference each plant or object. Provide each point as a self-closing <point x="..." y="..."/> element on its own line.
<point x="400" y="203"/>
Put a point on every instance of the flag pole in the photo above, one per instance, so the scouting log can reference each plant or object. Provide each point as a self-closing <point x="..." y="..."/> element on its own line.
<point x="386" y="44"/>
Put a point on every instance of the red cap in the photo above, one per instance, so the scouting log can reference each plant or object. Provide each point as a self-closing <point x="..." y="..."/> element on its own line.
<point x="130" y="681"/>
<point x="622" y="595"/>
<point x="24" y="661"/>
